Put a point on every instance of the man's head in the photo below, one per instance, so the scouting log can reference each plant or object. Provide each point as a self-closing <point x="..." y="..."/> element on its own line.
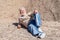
<point x="35" y="11"/>
<point x="22" y="10"/>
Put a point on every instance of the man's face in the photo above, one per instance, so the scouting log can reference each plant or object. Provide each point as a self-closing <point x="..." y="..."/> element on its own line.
<point x="21" y="11"/>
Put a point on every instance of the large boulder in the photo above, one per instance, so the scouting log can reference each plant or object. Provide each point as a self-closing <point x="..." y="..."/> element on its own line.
<point x="49" y="9"/>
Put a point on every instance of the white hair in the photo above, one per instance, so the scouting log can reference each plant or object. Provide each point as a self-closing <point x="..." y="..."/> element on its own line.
<point x="22" y="8"/>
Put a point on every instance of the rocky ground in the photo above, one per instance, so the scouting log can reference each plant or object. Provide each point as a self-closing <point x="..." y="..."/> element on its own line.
<point x="50" y="14"/>
<point x="8" y="31"/>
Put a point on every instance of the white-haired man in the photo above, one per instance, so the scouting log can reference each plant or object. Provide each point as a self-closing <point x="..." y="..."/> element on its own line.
<point x="23" y="18"/>
<point x="32" y="22"/>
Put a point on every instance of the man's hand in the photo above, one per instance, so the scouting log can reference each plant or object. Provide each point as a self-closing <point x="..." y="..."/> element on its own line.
<point x="19" y="26"/>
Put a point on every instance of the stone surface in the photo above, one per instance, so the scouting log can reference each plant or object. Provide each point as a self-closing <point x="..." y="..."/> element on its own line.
<point x="8" y="31"/>
<point x="49" y="9"/>
<point x="9" y="12"/>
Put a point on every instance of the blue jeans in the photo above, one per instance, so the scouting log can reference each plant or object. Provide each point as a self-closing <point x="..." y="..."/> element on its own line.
<point x="34" y="24"/>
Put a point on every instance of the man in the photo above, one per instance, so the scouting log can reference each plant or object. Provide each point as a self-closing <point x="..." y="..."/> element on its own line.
<point x="34" y="24"/>
<point x="23" y="18"/>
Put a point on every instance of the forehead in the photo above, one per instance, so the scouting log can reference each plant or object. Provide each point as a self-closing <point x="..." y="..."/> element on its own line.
<point x="35" y="10"/>
<point x="22" y="8"/>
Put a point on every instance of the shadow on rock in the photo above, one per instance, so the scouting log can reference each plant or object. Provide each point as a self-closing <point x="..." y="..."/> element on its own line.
<point x="16" y="24"/>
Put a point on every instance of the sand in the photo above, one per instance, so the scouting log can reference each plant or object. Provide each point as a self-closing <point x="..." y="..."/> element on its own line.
<point x="8" y="31"/>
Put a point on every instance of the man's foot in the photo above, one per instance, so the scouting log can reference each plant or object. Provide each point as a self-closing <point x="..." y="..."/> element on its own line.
<point x="41" y="35"/>
<point x="40" y="30"/>
<point x="19" y="26"/>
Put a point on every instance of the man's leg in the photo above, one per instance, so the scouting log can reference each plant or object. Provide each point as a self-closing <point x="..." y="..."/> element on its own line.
<point x="32" y="29"/>
<point x="38" y="23"/>
<point x="38" y="20"/>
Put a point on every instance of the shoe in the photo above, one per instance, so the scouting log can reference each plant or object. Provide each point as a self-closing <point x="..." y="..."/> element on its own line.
<point x="40" y="30"/>
<point x="41" y="35"/>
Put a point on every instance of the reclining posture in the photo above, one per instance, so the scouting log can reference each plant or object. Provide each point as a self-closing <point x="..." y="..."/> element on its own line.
<point x="32" y="22"/>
